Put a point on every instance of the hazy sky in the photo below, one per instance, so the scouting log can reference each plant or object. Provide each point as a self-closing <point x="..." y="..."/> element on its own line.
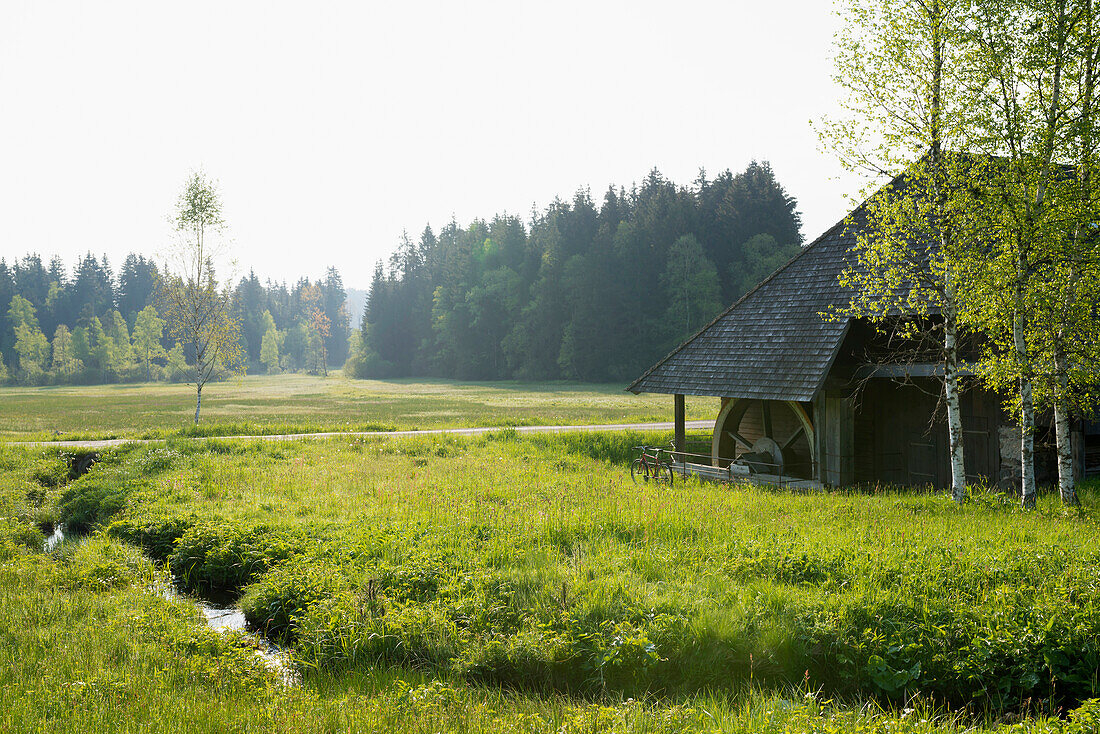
<point x="334" y="126"/>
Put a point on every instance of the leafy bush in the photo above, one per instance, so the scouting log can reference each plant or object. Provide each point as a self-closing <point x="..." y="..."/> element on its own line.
<point x="51" y="470"/>
<point x="275" y="602"/>
<point x="222" y="661"/>
<point x="217" y="558"/>
<point x="156" y="534"/>
<point x="92" y="499"/>
<point x="997" y="631"/>
<point x="27" y="535"/>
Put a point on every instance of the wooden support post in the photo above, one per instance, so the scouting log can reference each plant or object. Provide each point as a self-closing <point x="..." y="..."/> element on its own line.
<point x="681" y="440"/>
<point x="821" y="464"/>
<point x="834" y="431"/>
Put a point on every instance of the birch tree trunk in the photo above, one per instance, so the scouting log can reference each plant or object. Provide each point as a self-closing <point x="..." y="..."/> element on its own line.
<point x="954" y="411"/>
<point x="1027" y="417"/>
<point x="946" y="234"/>
<point x="1067" y="483"/>
<point x="198" y="403"/>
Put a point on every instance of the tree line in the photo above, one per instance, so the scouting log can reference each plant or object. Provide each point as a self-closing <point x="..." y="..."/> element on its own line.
<point x="87" y="325"/>
<point x="584" y="291"/>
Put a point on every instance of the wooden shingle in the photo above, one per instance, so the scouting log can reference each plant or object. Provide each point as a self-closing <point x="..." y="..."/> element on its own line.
<point x="775" y="342"/>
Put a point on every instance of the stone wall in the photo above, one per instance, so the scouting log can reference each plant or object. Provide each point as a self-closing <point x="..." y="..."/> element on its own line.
<point x="1008" y="435"/>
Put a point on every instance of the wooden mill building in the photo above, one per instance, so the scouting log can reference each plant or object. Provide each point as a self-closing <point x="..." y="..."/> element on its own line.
<point x="805" y="396"/>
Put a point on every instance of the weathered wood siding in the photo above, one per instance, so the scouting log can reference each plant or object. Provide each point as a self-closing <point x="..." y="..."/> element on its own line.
<point x="901" y="434"/>
<point x="834" y="423"/>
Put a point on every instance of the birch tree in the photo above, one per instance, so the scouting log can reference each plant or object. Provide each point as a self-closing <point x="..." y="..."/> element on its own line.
<point x="34" y="352"/>
<point x="1070" y="332"/>
<point x="1034" y="282"/>
<point x="197" y="308"/>
<point x="318" y="329"/>
<point x="269" y="345"/>
<point x="905" y="69"/>
<point x="31" y="345"/>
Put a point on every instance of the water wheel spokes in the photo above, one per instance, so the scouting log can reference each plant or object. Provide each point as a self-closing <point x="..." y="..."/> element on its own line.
<point x="740" y="439"/>
<point x="781" y="429"/>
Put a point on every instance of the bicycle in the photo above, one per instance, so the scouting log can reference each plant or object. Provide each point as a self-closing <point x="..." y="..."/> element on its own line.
<point x="651" y="467"/>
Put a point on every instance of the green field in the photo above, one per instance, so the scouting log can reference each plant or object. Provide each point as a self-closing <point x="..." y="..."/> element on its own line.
<point x="522" y="583"/>
<point x="304" y="404"/>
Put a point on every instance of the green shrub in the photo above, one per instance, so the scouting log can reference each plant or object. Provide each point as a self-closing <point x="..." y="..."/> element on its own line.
<point x="275" y="602"/>
<point x="156" y="534"/>
<point x="1083" y="720"/>
<point x="219" y="558"/>
<point x="97" y="495"/>
<point x="51" y="470"/>
<point x="222" y="661"/>
<point x="27" y="535"/>
<point x="996" y="631"/>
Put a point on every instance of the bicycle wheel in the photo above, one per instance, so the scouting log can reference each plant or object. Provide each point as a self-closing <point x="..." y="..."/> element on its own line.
<point x="639" y="472"/>
<point x="662" y="474"/>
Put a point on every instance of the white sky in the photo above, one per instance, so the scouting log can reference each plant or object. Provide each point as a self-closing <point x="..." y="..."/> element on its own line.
<point x="333" y="126"/>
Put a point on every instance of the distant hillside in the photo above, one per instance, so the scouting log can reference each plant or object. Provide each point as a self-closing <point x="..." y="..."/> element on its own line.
<point x="357" y="304"/>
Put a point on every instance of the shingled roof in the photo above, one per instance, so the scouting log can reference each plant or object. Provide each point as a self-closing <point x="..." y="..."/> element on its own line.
<point x="773" y="343"/>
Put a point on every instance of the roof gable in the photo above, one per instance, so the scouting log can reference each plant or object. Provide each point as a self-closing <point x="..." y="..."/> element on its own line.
<point x="773" y="343"/>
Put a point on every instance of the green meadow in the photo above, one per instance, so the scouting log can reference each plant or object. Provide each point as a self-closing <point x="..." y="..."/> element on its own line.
<point x="294" y="403"/>
<point x="523" y="583"/>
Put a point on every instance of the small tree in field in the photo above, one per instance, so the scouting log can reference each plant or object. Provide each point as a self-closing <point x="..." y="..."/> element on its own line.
<point x="198" y="313"/>
<point x="64" y="364"/>
<point x="318" y="325"/>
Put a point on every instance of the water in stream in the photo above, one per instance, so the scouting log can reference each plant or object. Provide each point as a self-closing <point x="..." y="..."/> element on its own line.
<point x="220" y="619"/>
<point x="56" y="537"/>
<point x="224" y="620"/>
<point x="231" y="619"/>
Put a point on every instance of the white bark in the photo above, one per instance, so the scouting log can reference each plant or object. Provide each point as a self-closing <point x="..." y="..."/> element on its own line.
<point x="1027" y="416"/>
<point x="954" y="412"/>
<point x="1067" y="485"/>
<point x="950" y="329"/>
<point x="198" y="402"/>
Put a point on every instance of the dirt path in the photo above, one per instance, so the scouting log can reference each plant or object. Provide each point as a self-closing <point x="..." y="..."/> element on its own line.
<point x="107" y="443"/>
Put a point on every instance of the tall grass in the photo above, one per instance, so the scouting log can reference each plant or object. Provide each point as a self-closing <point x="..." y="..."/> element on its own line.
<point x="528" y="576"/>
<point x="82" y="658"/>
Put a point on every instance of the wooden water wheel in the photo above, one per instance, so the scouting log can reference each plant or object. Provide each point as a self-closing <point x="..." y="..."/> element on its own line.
<point x="779" y="429"/>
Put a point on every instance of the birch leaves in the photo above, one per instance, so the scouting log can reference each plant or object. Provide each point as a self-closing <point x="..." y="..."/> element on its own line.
<point x="989" y="110"/>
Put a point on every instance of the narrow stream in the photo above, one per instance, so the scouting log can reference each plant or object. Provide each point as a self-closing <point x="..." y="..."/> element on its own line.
<point x="220" y="619"/>
<point x="231" y="619"/>
<point x="56" y="537"/>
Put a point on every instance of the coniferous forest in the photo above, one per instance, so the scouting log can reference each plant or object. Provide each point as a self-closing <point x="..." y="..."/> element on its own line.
<point x="581" y="291"/>
<point x="584" y="290"/>
<point x="88" y="325"/>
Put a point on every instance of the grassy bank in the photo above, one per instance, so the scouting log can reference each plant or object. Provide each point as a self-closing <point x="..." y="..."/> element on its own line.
<point x="533" y="567"/>
<point x="82" y="655"/>
<point x="305" y="404"/>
